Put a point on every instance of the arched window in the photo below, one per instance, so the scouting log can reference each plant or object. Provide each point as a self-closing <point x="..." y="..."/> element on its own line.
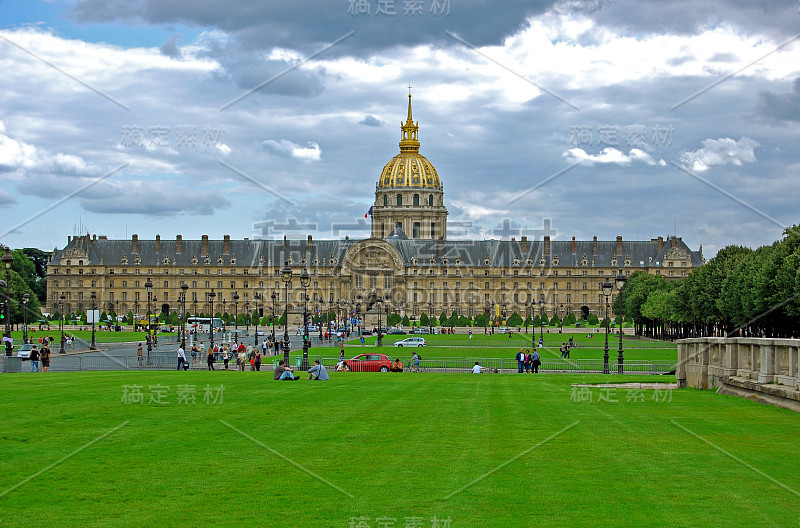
<point x="430" y="200"/>
<point x="416" y="199"/>
<point x="385" y="199"/>
<point x="399" y="199"/>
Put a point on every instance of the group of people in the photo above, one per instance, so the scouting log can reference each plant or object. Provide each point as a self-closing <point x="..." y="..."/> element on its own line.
<point x="284" y="372"/>
<point x="565" y="348"/>
<point x="527" y="362"/>
<point x="42" y="355"/>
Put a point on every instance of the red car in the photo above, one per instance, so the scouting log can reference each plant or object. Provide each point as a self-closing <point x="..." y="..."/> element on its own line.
<point x="369" y="363"/>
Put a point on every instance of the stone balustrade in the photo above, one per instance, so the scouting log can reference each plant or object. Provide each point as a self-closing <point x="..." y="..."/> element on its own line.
<point x="752" y="365"/>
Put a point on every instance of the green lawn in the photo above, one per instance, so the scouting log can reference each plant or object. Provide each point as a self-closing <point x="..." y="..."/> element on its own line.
<point x="482" y="451"/>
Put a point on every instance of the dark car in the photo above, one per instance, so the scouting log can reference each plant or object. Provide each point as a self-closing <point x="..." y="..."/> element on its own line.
<point x="396" y="331"/>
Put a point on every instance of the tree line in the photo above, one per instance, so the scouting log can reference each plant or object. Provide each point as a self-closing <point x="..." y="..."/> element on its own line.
<point x="740" y="292"/>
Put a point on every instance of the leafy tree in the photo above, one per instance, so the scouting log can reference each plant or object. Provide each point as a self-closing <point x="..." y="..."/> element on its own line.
<point x="442" y="318"/>
<point x="570" y="320"/>
<point x="555" y="321"/>
<point x="423" y="319"/>
<point x="482" y="320"/>
<point x="464" y="321"/>
<point x="592" y="319"/>
<point x="515" y="320"/>
<point x="405" y="321"/>
<point x="393" y="319"/>
<point x="452" y="320"/>
<point x="544" y="319"/>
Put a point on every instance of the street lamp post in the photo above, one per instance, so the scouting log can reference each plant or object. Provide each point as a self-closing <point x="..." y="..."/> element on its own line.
<point x="63" y="307"/>
<point x="274" y="298"/>
<point x="93" y="346"/>
<point x="247" y="316"/>
<point x="620" y="281"/>
<point x="328" y="317"/>
<point x="562" y="318"/>
<point x="149" y="287"/>
<point x="379" y="342"/>
<point x="305" y="281"/>
<point x="527" y="314"/>
<point x="184" y="287"/>
<point x="224" y="302"/>
<point x="7" y="260"/>
<point x="541" y="320"/>
<point x="606" y="287"/>
<point x="286" y="276"/>
<point x="257" y="301"/>
<point x="236" y="317"/>
<point x="25" y="299"/>
<point x="211" y="329"/>
<point x="430" y="317"/>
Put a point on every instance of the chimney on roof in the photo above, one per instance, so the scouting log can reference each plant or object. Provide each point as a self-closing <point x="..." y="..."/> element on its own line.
<point x="440" y="247"/>
<point x="102" y="237"/>
<point x="94" y="238"/>
<point x="524" y="244"/>
<point x="179" y="244"/>
<point x="135" y="244"/>
<point x="594" y="245"/>
<point x="547" y="245"/>
<point x="204" y="245"/>
<point x="660" y="243"/>
<point x="309" y="244"/>
<point x="619" y="245"/>
<point x="226" y="245"/>
<point x="573" y="245"/>
<point x="673" y="242"/>
<point x="285" y="242"/>
<point x="513" y="239"/>
<point x="158" y="243"/>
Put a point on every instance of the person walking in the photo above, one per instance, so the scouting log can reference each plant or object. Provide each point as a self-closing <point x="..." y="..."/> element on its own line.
<point x="210" y="359"/>
<point x="44" y="355"/>
<point x="535" y="361"/>
<point x="194" y="354"/>
<point x="528" y="361"/>
<point x="181" y="357"/>
<point x="139" y="354"/>
<point x="242" y="361"/>
<point x="35" y="359"/>
<point x="257" y="364"/>
<point x="225" y="356"/>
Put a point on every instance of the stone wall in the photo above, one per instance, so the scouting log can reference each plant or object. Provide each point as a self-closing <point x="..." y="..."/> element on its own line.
<point x="749" y="367"/>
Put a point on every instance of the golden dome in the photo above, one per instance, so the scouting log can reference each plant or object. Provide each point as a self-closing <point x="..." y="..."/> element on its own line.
<point x="409" y="168"/>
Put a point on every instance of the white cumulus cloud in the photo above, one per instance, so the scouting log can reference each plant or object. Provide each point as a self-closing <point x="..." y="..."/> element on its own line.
<point x="610" y="155"/>
<point x="723" y="151"/>
<point x="307" y="154"/>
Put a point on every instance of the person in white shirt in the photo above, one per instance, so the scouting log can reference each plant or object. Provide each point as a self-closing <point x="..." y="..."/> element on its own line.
<point x="181" y="357"/>
<point x="477" y="369"/>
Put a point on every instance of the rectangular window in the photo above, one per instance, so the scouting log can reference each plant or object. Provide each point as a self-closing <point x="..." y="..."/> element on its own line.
<point x="415" y="230"/>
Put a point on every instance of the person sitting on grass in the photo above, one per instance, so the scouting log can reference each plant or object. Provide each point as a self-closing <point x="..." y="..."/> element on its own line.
<point x="283" y="372"/>
<point x="318" y="372"/>
<point x="397" y="366"/>
<point x="477" y="369"/>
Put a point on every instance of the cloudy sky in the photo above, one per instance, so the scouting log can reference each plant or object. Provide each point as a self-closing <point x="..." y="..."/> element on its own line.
<point x="635" y="118"/>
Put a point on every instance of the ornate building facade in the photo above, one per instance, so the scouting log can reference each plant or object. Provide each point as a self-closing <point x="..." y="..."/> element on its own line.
<point x="407" y="261"/>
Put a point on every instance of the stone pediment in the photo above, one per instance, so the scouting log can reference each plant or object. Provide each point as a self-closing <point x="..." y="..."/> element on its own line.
<point x="677" y="253"/>
<point x="372" y="255"/>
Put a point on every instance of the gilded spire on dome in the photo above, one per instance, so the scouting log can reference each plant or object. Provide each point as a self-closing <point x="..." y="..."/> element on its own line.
<point x="409" y="141"/>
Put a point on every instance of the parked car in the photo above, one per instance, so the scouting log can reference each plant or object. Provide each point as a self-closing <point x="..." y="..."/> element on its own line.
<point x="420" y="330"/>
<point x="396" y="331"/>
<point x="502" y="330"/>
<point x="369" y="363"/>
<point x="366" y="333"/>
<point x="24" y="351"/>
<point x="411" y="342"/>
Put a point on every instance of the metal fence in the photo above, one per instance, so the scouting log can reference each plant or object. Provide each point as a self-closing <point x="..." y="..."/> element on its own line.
<point x="77" y="362"/>
<point x="503" y="365"/>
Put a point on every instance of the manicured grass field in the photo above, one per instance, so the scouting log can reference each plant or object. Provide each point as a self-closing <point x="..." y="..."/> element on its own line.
<point x="481" y="450"/>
